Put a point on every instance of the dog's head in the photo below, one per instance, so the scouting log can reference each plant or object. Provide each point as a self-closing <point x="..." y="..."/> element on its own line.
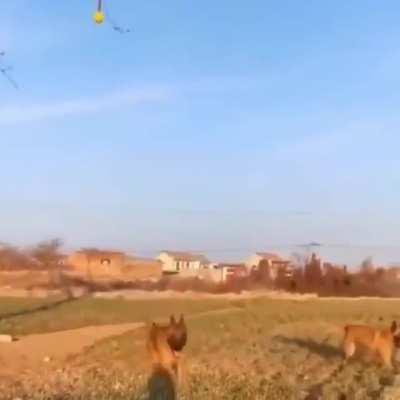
<point x="395" y="331"/>
<point x="177" y="333"/>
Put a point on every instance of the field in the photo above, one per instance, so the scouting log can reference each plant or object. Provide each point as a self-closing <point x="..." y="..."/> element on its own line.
<point x="238" y="349"/>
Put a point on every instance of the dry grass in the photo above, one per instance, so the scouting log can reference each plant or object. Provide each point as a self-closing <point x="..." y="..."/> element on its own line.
<point x="259" y="349"/>
<point x="26" y="316"/>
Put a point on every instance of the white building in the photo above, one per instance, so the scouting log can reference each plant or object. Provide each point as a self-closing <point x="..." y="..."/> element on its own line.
<point x="274" y="262"/>
<point x="232" y="271"/>
<point x="178" y="261"/>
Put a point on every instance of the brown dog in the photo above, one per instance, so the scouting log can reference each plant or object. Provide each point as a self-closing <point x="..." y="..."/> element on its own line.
<point x="165" y="343"/>
<point x="379" y="343"/>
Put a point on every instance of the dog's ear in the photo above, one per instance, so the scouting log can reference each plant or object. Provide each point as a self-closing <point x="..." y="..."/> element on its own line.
<point x="172" y="320"/>
<point x="393" y="327"/>
<point x="181" y="320"/>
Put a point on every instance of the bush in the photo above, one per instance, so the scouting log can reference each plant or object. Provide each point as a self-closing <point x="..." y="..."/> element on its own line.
<point x="14" y="259"/>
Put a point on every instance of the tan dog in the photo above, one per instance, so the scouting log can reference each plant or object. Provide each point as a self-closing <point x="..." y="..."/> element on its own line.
<point x="165" y="343"/>
<point x="379" y="343"/>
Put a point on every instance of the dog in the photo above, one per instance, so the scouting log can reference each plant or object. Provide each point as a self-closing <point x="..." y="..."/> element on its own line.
<point x="380" y="343"/>
<point x="165" y="344"/>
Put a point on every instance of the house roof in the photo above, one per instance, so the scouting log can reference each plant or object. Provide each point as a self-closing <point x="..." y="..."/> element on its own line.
<point x="185" y="256"/>
<point x="275" y="258"/>
<point x="230" y="265"/>
<point x="101" y="253"/>
<point x="270" y="256"/>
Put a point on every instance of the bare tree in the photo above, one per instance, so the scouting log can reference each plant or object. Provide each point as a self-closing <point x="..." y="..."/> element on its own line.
<point x="13" y="259"/>
<point x="48" y="255"/>
<point x="264" y="272"/>
<point x="313" y="272"/>
<point x="367" y="271"/>
<point x="367" y="266"/>
<point x="299" y="260"/>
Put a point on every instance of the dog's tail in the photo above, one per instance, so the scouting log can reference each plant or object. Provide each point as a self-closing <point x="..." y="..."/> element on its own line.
<point x="336" y="329"/>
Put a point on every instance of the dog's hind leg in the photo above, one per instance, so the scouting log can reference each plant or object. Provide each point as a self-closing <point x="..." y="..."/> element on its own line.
<point x="181" y="374"/>
<point x="386" y="356"/>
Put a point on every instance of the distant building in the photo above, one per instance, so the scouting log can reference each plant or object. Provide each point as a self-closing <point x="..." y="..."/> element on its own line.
<point x="178" y="261"/>
<point x="94" y="260"/>
<point x="393" y="272"/>
<point x="232" y="271"/>
<point x="275" y="263"/>
<point x="112" y="264"/>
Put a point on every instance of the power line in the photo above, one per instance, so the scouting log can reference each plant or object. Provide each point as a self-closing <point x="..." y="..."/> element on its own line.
<point x="278" y="246"/>
<point x="5" y="71"/>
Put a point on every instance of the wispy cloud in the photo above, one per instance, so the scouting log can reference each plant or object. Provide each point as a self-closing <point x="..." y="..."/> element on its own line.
<point x="21" y="113"/>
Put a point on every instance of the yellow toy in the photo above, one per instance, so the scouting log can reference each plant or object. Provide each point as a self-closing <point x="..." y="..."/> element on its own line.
<point x="98" y="16"/>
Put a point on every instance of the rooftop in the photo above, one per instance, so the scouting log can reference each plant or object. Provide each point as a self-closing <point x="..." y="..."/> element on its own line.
<point x="270" y="256"/>
<point x="101" y="253"/>
<point x="185" y="256"/>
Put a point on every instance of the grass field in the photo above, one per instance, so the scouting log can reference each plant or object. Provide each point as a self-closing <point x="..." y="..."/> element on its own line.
<point x="250" y="349"/>
<point x="26" y="316"/>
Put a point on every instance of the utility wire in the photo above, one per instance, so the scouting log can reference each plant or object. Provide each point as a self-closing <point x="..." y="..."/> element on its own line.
<point x="5" y="71"/>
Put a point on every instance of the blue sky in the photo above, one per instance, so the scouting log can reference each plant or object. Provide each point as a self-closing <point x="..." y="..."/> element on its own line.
<point x="213" y="126"/>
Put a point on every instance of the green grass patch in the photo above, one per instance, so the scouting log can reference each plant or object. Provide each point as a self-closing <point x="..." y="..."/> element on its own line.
<point x="33" y="318"/>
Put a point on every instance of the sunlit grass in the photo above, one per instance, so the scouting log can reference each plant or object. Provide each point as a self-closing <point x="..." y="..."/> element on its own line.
<point x="257" y="349"/>
<point x="92" y="311"/>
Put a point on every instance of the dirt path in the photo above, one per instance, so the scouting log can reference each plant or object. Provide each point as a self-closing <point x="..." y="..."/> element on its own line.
<point x="49" y="349"/>
<point x="32" y="350"/>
